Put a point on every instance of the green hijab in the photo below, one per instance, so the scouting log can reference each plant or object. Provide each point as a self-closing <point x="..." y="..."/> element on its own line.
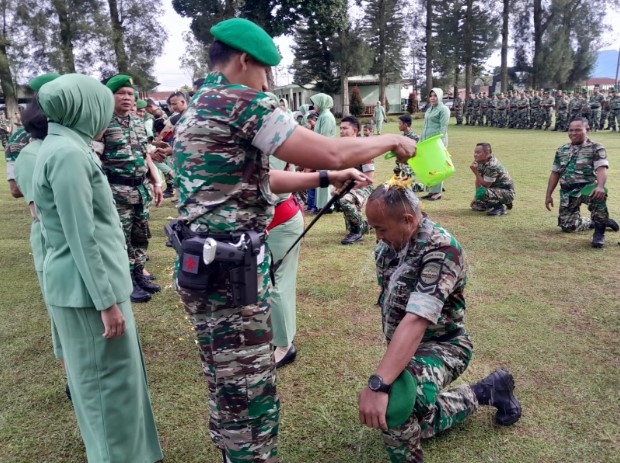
<point x="79" y="103"/>
<point x="326" y="122"/>
<point x="304" y="109"/>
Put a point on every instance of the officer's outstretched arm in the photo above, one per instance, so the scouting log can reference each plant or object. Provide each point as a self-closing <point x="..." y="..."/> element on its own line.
<point x="306" y="148"/>
<point x="282" y="181"/>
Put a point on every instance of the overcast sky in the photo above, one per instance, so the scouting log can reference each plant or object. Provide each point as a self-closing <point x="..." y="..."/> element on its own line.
<point x="170" y="75"/>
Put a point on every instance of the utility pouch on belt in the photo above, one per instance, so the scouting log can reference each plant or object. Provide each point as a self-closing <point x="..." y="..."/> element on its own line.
<point x="204" y="256"/>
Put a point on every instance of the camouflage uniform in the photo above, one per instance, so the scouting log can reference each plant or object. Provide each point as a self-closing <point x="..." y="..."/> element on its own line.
<point x="535" y="111"/>
<point x="124" y="159"/>
<point x="513" y="112"/>
<point x="492" y="115"/>
<point x="483" y="111"/>
<point x="502" y="104"/>
<point x="614" y="111"/>
<point x="428" y="279"/>
<point x="576" y="108"/>
<point x="457" y="105"/>
<point x="576" y="165"/>
<point x="604" y="111"/>
<point x="523" y="105"/>
<point x="476" y="110"/>
<point x="352" y="204"/>
<point x="222" y="147"/>
<point x="469" y="110"/>
<point x="502" y="189"/>
<point x="403" y="169"/>
<point x="5" y="131"/>
<point x="16" y="143"/>
<point x="545" y="112"/>
<point x="561" y="113"/>
<point x="594" y="115"/>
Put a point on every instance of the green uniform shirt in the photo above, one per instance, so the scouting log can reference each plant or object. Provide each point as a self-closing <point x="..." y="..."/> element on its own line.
<point x="577" y="164"/>
<point x="494" y="171"/>
<point x="24" y="167"/>
<point x="427" y="278"/>
<point x="86" y="263"/>
<point x="222" y="147"/>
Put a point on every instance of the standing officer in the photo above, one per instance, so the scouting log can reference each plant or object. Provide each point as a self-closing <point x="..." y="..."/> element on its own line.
<point x="469" y="109"/>
<point x="614" y="109"/>
<point x="133" y="179"/>
<point x="581" y="169"/>
<point x="457" y="105"/>
<point x="222" y="148"/>
<point x="595" y="106"/>
<point x="535" y="111"/>
<point x="502" y="104"/>
<point x="476" y="108"/>
<point x="353" y="202"/>
<point x="546" y="104"/>
<point x="561" y="111"/>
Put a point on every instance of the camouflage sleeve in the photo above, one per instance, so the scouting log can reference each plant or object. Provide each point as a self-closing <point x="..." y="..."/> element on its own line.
<point x="557" y="166"/>
<point x="273" y="130"/>
<point x="600" y="157"/>
<point x="490" y="173"/>
<point x="440" y="271"/>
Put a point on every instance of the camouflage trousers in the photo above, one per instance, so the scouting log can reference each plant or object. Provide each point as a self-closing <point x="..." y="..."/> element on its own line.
<point x="494" y="197"/>
<point x="594" y="118"/>
<point x="561" y="120"/>
<point x="459" y="116"/>
<point x="238" y="363"/>
<point x="435" y="365"/>
<point x="614" y="117"/>
<point x="514" y="117"/>
<point x="501" y="118"/>
<point x="570" y="220"/>
<point x="352" y="204"/>
<point x="135" y="223"/>
<point x="469" y="116"/>
<point x="523" y="119"/>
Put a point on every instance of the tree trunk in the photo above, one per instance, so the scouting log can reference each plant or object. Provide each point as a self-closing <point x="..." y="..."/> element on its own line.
<point x="344" y="83"/>
<point x="538" y="11"/>
<point x="467" y="48"/>
<point x="457" y="72"/>
<point x="6" y="82"/>
<point x="504" y="63"/>
<point x="66" y="36"/>
<point x="429" y="46"/>
<point x="117" y="38"/>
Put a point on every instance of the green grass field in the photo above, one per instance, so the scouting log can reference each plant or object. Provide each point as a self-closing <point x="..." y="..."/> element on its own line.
<point x="540" y="302"/>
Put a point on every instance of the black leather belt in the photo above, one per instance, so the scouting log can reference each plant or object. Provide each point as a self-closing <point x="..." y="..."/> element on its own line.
<point x="127" y="181"/>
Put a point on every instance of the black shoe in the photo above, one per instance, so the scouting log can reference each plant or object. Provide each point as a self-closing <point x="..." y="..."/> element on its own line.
<point x="612" y="225"/>
<point x="68" y="392"/>
<point x="598" y="239"/>
<point x="497" y="211"/>
<point x="143" y="283"/>
<point x="150" y="277"/>
<point x="138" y="294"/>
<point x="352" y="238"/>
<point x="288" y="358"/>
<point x="497" y="390"/>
<point x="509" y="206"/>
<point x="169" y="191"/>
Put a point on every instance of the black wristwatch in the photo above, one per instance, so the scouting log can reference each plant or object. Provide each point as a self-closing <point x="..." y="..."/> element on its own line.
<point x="376" y="384"/>
<point x="323" y="179"/>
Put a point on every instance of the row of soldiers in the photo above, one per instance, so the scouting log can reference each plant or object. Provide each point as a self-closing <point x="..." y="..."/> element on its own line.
<point x="534" y="109"/>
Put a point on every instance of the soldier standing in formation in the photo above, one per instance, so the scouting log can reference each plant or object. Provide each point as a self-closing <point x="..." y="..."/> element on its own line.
<point x="457" y="106"/>
<point x="133" y="179"/>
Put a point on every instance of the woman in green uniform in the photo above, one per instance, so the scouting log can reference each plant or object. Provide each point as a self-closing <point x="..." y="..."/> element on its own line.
<point x="325" y="125"/>
<point x="86" y="277"/>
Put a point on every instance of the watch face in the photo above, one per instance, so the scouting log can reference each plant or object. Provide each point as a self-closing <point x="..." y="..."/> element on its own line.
<point x="374" y="383"/>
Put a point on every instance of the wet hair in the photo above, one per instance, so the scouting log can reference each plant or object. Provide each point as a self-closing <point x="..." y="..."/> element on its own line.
<point x="177" y="95"/>
<point x="368" y="127"/>
<point x="405" y="119"/>
<point x="198" y="82"/>
<point x="399" y="199"/>
<point x="34" y="121"/>
<point x="352" y="120"/>
<point x="220" y="53"/>
<point x="486" y="147"/>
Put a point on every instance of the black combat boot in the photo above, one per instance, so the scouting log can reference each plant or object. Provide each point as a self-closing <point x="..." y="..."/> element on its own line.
<point x="353" y="237"/>
<point x="497" y="390"/>
<point x="613" y="225"/>
<point x="138" y="294"/>
<point x="598" y="239"/>
<point x="143" y="283"/>
<point x="169" y="191"/>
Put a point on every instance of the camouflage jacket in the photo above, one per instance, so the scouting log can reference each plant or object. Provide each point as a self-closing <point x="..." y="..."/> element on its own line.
<point x="547" y="103"/>
<point x="577" y="164"/>
<point x="502" y="103"/>
<point x="221" y="151"/>
<point x="596" y="100"/>
<point x="457" y="104"/>
<point x="16" y="143"/>
<point x="535" y="102"/>
<point x="494" y="171"/>
<point x="124" y="155"/>
<point x="614" y="102"/>
<point x="523" y="102"/>
<point x="427" y="278"/>
<point x="403" y="169"/>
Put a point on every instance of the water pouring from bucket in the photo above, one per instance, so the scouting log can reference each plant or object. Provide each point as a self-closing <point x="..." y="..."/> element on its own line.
<point x="432" y="163"/>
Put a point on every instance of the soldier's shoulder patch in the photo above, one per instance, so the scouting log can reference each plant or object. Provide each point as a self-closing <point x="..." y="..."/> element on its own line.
<point x="431" y="273"/>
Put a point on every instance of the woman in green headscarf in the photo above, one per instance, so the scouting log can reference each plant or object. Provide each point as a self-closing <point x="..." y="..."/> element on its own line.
<point x="86" y="277"/>
<point x="304" y="109"/>
<point x="325" y="125"/>
<point x="436" y="121"/>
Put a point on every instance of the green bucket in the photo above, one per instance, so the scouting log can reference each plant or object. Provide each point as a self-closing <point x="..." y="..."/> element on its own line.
<point x="432" y="163"/>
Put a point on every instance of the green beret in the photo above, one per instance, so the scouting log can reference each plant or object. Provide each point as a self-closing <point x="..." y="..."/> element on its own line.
<point x="613" y="89"/>
<point x="140" y="104"/>
<point x="119" y="81"/>
<point x="401" y="399"/>
<point x="136" y="95"/>
<point x="38" y="82"/>
<point x="244" y="35"/>
<point x="584" y="90"/>
<point x="569" y="92"/>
